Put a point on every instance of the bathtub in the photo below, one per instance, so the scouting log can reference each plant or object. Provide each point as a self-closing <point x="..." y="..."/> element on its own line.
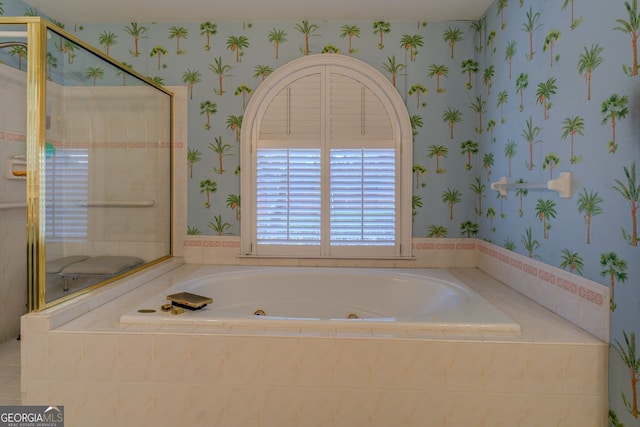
<point x="339" y="298"/>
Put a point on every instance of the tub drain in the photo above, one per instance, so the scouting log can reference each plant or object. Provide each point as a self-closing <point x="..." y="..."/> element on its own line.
<point x="259" y="312"/>
<point x="352" y="316"/>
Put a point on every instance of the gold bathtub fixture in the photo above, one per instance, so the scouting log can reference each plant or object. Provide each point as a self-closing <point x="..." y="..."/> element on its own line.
<point x="352" y="316"/>
<point x="189" y="301"/>
<point x="171" y="309"/>
<point x="259" y="312"/>
<point x="175" y="310"/>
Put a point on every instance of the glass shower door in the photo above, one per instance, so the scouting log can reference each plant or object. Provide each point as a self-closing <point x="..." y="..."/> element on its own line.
<point x="107" y="170"/>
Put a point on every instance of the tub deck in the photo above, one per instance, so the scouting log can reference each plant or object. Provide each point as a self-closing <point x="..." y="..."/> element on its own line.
<point x="537" y="324"/>
<point x="552" y="373"/>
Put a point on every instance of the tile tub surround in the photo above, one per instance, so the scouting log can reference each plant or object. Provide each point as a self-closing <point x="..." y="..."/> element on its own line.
<point x="581" y="301"/>
<point x="110" y="374"/>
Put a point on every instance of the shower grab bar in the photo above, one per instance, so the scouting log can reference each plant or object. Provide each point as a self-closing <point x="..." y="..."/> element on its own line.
<point x="105" y="204"/>
<point x="16" y="34"/>
<point x="145" y="204"/>
<point x="562" y="185"/>
<point x="14" y="205"/>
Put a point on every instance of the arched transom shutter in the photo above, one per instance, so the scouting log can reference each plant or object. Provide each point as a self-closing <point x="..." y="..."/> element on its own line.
<point x="296" y="110"/>
<point x="356" y="112"/>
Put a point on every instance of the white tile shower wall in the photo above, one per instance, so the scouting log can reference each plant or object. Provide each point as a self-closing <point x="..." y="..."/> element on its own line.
<point x="96" y="119"/>
<point x="13" y="265"/>
<point x="13" y="115"/>
<point x="13" y="272"/>
<point x="193" y="378"/>
<point x="179" y="176"/>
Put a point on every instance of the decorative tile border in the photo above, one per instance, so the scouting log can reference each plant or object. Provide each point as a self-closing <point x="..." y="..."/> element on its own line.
<point x="419" y="244"/>
<point x="592" y="296"/>
<point x="427" y="253"/>
<point x="234" y="242"/>
<point x="515" y="263"/>
<point x="10" y="136"/>
<point x="530" y="269"/>
<point x="581" y="301"/>
<point x="569" y="286"/>
<point x="119" y="144"/>
<point x="211" y="243"/>
<point x="546" y="275"/>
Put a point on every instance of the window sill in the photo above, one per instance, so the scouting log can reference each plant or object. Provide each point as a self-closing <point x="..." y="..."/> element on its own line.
<point x="290" y="257"/>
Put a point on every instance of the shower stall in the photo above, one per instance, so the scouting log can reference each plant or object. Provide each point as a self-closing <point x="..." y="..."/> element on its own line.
<point x="85" y="169"/>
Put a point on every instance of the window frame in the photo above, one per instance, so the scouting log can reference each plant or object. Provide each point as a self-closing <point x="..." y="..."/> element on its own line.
<point x="402" y="140"/>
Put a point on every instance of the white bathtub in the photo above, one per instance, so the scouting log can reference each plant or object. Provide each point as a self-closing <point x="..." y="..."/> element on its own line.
<point x="351" y="298"/>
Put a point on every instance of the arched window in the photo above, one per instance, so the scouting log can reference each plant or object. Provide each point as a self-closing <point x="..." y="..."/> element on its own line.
<point x="326" y="163"/>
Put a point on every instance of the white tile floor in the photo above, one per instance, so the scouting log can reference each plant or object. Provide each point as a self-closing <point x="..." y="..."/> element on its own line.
<point x="10" y="373"/>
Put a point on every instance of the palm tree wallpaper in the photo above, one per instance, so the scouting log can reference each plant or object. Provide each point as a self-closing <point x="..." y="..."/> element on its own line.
<point x="532" y="89"/>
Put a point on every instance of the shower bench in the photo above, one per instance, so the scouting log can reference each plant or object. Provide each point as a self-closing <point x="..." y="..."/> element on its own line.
<point x="88" y="270"/>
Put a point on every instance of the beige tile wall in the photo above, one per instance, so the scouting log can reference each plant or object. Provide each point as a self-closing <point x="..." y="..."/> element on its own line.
<point x="210" y="379"/>
<point x="581" y="301"/>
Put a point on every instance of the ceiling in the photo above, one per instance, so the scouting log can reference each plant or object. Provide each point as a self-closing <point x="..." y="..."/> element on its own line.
<point x="96" y="11"/>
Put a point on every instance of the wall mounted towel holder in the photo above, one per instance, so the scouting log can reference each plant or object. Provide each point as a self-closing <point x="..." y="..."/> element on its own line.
<point x="114" y="204"/>
<point x="562" y="185"/>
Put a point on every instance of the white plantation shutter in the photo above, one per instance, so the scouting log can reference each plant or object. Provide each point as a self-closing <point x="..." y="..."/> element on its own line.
<point x="325" y="168"/>
<point x="288" y="198"/>
<point x="67" y="172"/>
<point x="363" y="197"/>
<point x="362" y="166"/>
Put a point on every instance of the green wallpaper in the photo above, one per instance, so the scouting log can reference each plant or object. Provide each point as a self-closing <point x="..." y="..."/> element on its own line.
<point x="534" y="88"/>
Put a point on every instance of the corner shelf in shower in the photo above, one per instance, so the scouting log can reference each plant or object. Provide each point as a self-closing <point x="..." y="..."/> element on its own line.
<point x="16" y="169"/>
